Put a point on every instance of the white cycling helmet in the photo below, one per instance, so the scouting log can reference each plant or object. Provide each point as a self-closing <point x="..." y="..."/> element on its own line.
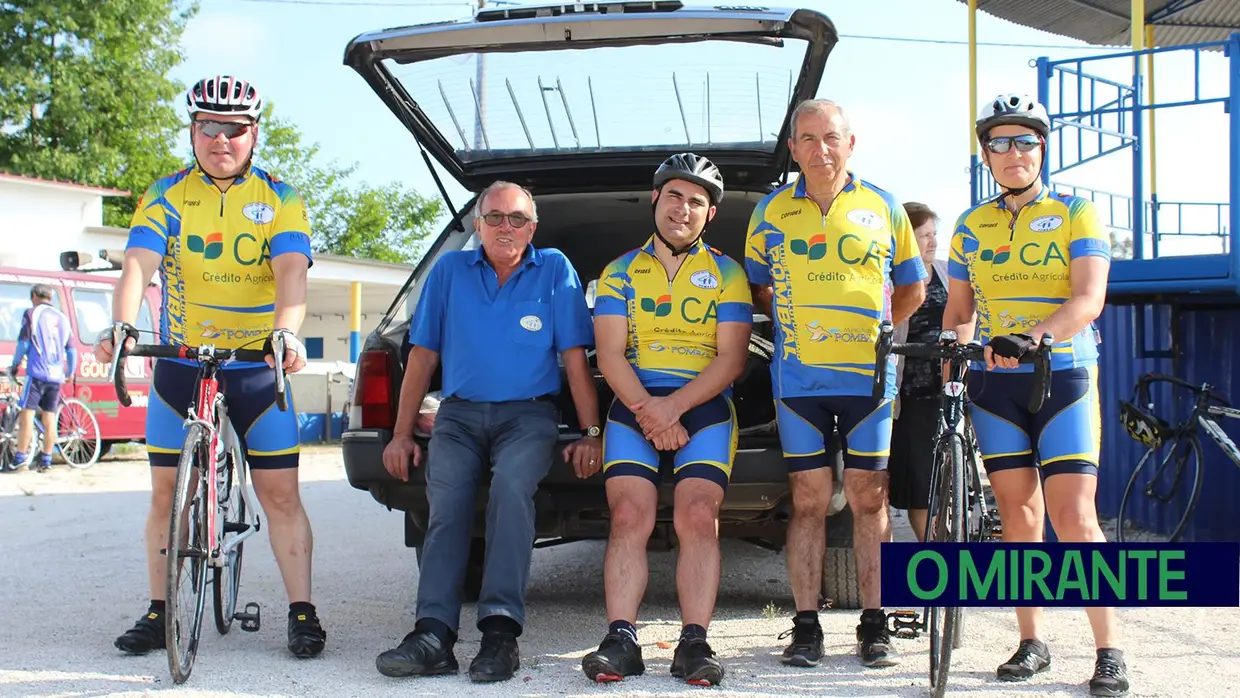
<point x="1013" y="108"/>
<point x="224" y="95"/>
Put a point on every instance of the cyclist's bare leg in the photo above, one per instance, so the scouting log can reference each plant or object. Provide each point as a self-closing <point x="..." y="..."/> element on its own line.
<point x="632" y="501"/>
<point x="25" y="425"/>
<point x="49" y="432"/>
<point x="696" y="518"/>
<point x="289" y="528"/>
<point x="867" y="497"/>
<point x="1018" y="493"/>
<point x="807" y="534"/>
<point x="163" y="481"/>
<point x="1070" y="503"/>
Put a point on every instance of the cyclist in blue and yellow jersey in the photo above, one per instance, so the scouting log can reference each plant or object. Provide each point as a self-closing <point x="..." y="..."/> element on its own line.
<point x="831" y="257"/>
<point x="672" y="322"/>
<point x="231" y="244"/>
<point x="46" y="342"/>
<point x="1028" y="263"/>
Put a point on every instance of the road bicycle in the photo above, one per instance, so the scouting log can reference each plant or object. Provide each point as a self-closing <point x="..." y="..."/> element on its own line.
<point x="961" y="512"/>
<point x="213" y="512"/>
<point x="77" y="431"/>
<point x="1180" y="464"/>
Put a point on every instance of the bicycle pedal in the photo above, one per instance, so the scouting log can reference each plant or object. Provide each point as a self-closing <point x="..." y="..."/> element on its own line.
<point x="906" y="625"/>
<point x="251" y="619"/>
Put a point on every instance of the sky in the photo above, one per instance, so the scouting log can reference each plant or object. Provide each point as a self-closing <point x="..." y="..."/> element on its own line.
<point x="907" y="99"/>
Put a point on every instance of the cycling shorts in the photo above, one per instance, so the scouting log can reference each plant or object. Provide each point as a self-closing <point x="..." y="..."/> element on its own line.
<point x="807" y="423"/>
<point x="708" y="455"/>
<point x="271" y="438"/>
<point x="1067" y="430"/>
<point x="40" y="394"/>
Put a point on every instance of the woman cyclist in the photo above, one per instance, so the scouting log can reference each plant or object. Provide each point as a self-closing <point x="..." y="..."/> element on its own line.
<point x="1028" y="263"/>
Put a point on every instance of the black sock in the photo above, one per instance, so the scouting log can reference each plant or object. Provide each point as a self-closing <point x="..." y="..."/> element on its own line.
<point x="623" y="626"/>
<point x="157" y="607"/>
<point x="806" y="618"/>
<point x="874" y="615"/>
<point x="692" y="632"/>
<point x="500" y="624"/>
<point x="301" y="607"/>
<point x="437" y="628"/>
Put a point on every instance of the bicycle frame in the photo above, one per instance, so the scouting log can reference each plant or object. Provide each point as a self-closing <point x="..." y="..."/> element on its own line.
<point x="1216" y="432"/>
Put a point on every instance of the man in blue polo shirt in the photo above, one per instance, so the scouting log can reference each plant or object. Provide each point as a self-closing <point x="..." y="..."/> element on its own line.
<point x="46" y="342"/>
<point x="497" y="317"/>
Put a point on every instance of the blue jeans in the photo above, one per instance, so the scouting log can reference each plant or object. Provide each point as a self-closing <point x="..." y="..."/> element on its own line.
<point x="516" y="442"/>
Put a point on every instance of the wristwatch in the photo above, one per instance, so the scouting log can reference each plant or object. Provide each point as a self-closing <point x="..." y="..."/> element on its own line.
<point x="591" y="432"/>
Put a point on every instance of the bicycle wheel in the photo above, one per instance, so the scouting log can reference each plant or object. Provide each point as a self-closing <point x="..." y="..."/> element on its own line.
<point x="188" y="542"/>
<point x="1145" y="489"/>
<point x="949" y="527"/>
<point x="8" y="436"/>
<point x="77" y="433"/>
<point x="227" y="579"/>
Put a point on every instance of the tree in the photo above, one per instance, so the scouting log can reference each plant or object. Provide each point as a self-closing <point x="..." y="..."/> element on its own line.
<point x="1121" y="245"/>
<point x="386" y="223"/>
<point x="86" y="97"/>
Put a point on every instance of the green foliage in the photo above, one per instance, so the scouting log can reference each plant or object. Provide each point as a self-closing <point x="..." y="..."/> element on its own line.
<point x="386" y="223"/>
<point x="86" y="97"/>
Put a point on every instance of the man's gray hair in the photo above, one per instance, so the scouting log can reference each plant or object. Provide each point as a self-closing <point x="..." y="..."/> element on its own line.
<point x="42" y="292"/>
<point x="817" y="106"/>
<point x="497" y="186"/>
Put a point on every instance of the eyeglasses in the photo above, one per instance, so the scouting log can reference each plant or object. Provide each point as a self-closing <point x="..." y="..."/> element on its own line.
<point x="1024" y="143"/>
<point x="516" y="220"/>
<point x="230" y="129"/>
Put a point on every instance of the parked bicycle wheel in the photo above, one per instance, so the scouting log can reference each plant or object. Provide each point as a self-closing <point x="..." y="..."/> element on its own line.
<point x="1162" y="489"/>
<point x="77" y="434"/>
<point x="188" y="543"/>
<point x="227" y="579"/>
<point x="8" y="435"/>
<point x="948" y="527"/>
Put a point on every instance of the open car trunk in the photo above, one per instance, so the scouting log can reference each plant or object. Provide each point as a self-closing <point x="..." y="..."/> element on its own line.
<point x="592" y="230"/>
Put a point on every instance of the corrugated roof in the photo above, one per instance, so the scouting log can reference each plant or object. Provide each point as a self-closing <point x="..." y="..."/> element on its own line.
<point x="1107" y="22"/>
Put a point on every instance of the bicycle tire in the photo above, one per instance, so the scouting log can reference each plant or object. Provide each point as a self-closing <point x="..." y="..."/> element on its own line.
<point x="948" y="528"/>
<point x="1143" y="465"/>
<point x="81" y="450"/>
<point x="190" y="514"/>
<point x="227" y="578"/>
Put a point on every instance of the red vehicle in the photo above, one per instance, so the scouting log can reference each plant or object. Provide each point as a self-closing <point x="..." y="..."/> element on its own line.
<point x="86" y="297"/>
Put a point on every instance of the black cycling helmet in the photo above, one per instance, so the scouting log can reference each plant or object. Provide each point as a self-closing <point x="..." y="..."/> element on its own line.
<point x="692" y="168"/>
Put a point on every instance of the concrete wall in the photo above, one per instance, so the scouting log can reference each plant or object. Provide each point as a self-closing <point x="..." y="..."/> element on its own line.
<point x="45" y="220"/>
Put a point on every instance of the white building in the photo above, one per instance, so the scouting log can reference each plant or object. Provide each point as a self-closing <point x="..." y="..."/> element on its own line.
<point x="40" y="219"/>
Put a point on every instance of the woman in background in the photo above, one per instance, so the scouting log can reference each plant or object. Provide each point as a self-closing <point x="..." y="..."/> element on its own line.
<point x="917" y="402"/>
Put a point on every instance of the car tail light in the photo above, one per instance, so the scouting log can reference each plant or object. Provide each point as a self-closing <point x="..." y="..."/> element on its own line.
<point x="373" y="392"/>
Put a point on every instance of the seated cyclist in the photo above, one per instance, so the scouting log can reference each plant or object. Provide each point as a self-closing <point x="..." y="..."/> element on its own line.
<point x="232" y="247"/>
<point x="672" y="327"/>
<point x="1029" y="263"/>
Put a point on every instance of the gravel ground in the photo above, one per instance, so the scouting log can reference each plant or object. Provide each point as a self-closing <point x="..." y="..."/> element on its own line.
<point x="71" y="560"/>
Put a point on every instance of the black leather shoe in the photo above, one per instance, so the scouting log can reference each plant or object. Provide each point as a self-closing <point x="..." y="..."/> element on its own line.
<point x="421" y="653"/>
<point x="497" y="659"/>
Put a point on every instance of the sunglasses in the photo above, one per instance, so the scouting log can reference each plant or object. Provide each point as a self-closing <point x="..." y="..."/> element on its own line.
<point x="516" y="220"/>
<point x="230" y="129"/>
<point x="1024" y="143"/>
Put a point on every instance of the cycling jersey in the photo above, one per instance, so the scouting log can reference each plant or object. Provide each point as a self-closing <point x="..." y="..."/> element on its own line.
<point x="832" y="274"/>
<point x="672" y="322"/>
<point x="218" y="286"/>
<point x="1019" y="267"/>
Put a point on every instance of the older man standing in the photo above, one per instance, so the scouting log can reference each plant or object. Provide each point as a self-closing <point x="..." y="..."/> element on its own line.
<point x="832" y="256"/>
<point x="498" y="316"/>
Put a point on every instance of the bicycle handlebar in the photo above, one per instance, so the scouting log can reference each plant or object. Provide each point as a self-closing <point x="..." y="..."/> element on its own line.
<point x="1206" y="389"/>
<point x="204" y="352"/>
<point x="947" y="349"/>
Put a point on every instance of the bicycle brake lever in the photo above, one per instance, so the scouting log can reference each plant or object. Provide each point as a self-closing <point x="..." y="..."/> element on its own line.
<point x="277" y="358"/>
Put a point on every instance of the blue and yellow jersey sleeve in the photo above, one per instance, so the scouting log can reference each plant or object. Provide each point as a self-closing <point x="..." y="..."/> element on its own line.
<point x="963" y="246"/>
<point x="614" y="291"/>
<point x="735" y="300"/>
<point x="757" y="263"/>
<point x="290" y="229"/>
<point x="156" y="219"/>
<point x="1088" y="237"/>
<point x="906" y="265"/>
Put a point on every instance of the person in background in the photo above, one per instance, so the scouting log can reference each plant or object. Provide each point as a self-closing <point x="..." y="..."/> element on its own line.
<point x="917" y="402"/>
<point x="45" y="341"/>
